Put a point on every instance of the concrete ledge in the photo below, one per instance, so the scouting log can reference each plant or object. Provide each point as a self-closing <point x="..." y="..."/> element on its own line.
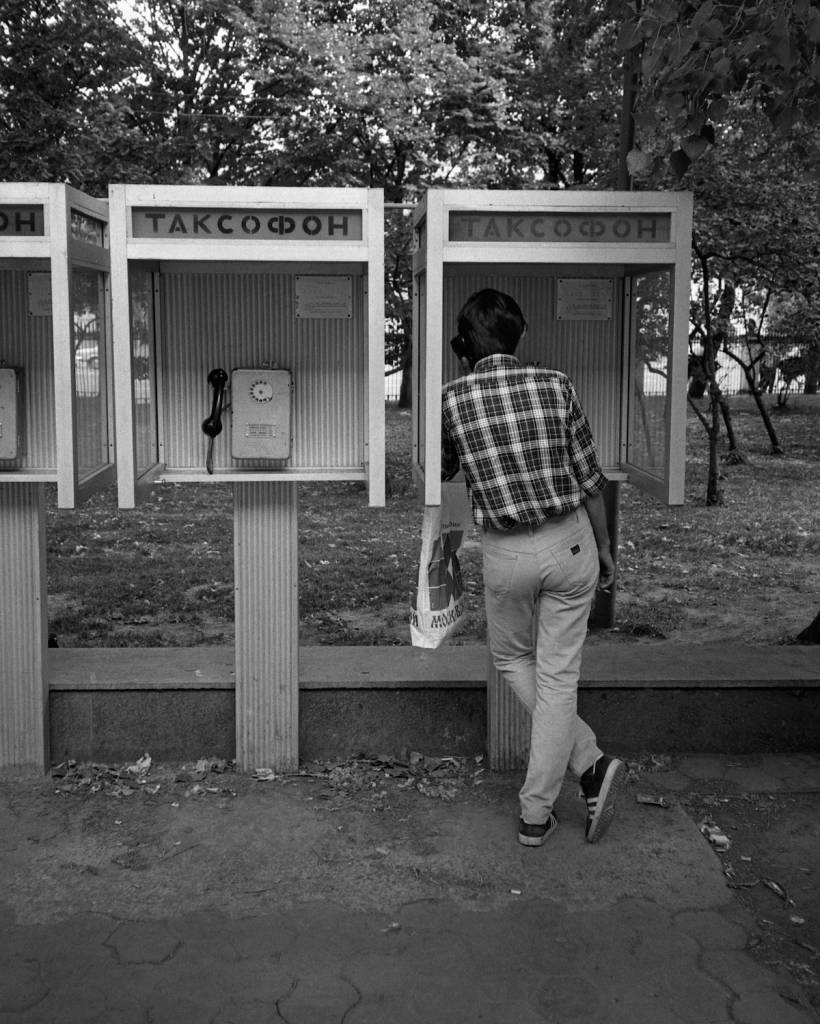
<point x="320" y="668"/>
<point x="676" y="666"/>
<point x="140" y="668"/>
<point x="607" y="664"/>
<point x="110" y="705"/>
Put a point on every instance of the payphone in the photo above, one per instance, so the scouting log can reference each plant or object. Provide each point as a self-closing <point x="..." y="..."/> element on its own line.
<point x="603" y="281"/>
<point x="12" y="416"/>
<point x="260" y="407"/>
<point x="260" y="414"/>
<point x="56" y="420"/>
<point x="249" y="346"/>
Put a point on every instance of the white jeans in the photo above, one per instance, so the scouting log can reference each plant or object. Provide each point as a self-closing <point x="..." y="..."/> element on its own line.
<point x="538" y="589"/>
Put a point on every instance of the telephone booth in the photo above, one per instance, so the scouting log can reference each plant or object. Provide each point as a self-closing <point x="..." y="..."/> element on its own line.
<point x="603" y="281"/>
<point x="56" y="419"/>
<point x="249" y="349"/>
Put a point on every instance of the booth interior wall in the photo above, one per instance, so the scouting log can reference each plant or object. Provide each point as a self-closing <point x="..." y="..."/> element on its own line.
<point x="247" y="320"/>
<point x="26" y="342"/>
<point x="588" y="351"/>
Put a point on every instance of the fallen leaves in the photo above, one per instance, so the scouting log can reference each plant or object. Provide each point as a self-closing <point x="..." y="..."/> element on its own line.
<point x="76" y="778"/>
<point x="437" y="778"/>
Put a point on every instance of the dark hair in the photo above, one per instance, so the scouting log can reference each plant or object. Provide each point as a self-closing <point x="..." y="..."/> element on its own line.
<point x="491" y="323"/>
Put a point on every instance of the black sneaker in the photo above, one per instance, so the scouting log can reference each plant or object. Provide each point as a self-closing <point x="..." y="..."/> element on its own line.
<point x="599" y="786"/>
<point x="535" y="835"/>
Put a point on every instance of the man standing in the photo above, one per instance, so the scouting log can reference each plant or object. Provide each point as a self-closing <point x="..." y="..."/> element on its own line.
<point x="536" y="489"/>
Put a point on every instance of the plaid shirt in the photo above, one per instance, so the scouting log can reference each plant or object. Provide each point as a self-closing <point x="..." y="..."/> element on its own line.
<point x="523" y="440"/>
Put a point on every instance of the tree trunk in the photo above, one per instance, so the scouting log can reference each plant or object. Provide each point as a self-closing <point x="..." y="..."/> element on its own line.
<point x="406" y="389"/>
<point x="811" y="634"/>
<point x="713" y="493"/>
<point x="735" y="456"/>
<point x="764" y="414"/>
<point x="757" y="394"/>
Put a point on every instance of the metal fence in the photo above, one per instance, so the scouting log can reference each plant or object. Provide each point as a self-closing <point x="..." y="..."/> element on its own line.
<point x="779" y="362"/>
<point x="392" y="385"/>
<point x="730" y="376"/>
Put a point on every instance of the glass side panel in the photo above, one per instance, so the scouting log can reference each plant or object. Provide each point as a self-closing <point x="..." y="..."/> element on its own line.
<point x="647" y="440"/>
<point x="143" y="367"/>
<point x="87" y="229"/>
<point x="88" y="322"/>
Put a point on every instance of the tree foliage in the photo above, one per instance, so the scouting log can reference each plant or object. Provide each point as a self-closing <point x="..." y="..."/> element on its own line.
<point x="479" y="93"/>
<point x="64" y="114"/>
<point x="756" y="235"/>
<point x="694" y="58"/>
<point x="190" y="104"/>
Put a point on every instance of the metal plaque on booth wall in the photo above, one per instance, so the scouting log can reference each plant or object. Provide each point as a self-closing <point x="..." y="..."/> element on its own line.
<point x="584" y="298"/>
<point x="39" y="293"/>
<point x="322" y="297"/>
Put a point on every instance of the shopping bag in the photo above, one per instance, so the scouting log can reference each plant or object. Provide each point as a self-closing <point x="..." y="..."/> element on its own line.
<point x="438" y="600"/>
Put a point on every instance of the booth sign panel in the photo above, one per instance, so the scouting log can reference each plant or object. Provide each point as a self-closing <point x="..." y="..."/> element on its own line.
<point x="22" y="221"/>
<point x="559" y="227"/>
<point x="235" y="224"/>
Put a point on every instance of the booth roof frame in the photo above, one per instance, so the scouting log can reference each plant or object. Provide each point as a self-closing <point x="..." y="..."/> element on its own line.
<point x="432" y="250"/>
<point x="59" y="251"/>
<point x="368" y="251"/>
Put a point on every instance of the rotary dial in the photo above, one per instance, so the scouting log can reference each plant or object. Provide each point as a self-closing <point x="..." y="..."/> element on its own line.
<point x="261" y="391"/>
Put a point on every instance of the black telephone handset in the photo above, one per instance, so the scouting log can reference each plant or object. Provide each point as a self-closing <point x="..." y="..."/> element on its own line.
<point x="212" y="424"/>
<point x="462" y="350"/>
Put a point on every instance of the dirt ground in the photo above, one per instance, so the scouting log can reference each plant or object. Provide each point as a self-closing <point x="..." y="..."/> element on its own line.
<point x="773" y="869"/>
<point x="144" y="840"/>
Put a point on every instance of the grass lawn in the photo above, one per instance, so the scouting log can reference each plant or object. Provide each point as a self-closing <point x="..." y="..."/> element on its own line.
<point x="162" y="575"/>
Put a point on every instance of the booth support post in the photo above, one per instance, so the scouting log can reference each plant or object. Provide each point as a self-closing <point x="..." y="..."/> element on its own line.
<point x="267" y="625"/>
<point x="23" y="629"/>
<point x="603" y="608"/>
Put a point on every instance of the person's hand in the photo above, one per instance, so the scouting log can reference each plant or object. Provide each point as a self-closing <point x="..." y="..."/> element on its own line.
<point x="606" y="570"/>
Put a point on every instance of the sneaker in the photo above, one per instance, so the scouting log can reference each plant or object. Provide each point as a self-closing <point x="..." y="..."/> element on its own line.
<point x="535" y="835"/>
<point x="599" y="786"/>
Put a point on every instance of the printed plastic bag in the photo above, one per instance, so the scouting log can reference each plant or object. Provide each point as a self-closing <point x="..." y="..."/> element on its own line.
<point x="438" y="601"/>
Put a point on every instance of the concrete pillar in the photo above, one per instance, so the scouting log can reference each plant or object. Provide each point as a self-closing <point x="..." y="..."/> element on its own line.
<point x="267" y="625"/>
<point x="23" y="629"/>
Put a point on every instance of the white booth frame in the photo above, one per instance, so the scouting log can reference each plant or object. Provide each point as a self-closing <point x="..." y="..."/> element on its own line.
<point x="367" y="251"/>
<point x="59" y="251"/>
<point x="51" y="427"/>
<point x="433" y="251"/>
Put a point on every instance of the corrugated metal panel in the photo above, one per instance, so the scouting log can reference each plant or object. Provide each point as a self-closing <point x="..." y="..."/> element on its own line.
<point x="508" y="725"/>
<point x="25" y="341"/>
<point x="22" y="627"/>
<point x="588" y="351"/>
<point x="267" y="680"/>
<point x="244" y="320"/>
